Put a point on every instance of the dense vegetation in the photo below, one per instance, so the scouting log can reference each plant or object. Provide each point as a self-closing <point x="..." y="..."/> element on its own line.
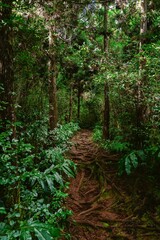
<point x="67" y="63"/>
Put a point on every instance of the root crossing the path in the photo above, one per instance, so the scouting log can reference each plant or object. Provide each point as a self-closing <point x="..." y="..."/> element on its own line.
<point x="98" y="201"/>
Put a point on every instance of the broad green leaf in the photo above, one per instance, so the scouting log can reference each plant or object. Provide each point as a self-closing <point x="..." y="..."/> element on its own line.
<point x="128" y="165"/>
<point x="55" y="232"/>
<point x="41" y="183"/>
<point x="68" y="171"/>
<point x="141" y="154"/>
<point x="50" y="183"/>
<point x="2" y="226"/>
<point x="134" y="159"/>
<point x="2" y="210"/>
<point x="4" y="238"/>
<point x="58" y="178"/>
<point x="42" y="234"/>
<point x="25" y="235"/>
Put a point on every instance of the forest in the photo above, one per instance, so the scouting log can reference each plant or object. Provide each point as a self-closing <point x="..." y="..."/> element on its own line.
<point x="79" y="119"/>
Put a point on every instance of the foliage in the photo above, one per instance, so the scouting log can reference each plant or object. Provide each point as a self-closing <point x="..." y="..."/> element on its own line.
<point x="116" y="145"/>
<point x="97" y="134"/>
<point x="39" y="181"/>
<point x="148" y="158"/>
<point x="29" y="230"/>
<point x="63" y="133"/>
<point x="130" y="159"/>
<point x="34" y="172"/>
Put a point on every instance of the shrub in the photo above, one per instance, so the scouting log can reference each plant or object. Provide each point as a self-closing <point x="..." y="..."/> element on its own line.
<point x="33" y="186"/>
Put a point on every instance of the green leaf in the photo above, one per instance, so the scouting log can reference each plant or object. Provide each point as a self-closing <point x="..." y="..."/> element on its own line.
<point x="134" y="159"/>
<point x="50" y="183"/>
<point x="55" y="232"/>
<point x="42" y="234"/>
<point x="25" y="235"/>
<point x="106" y="224"/>
<point x="128" y="165"/>
<point x="2" y="210"/>
<point x="58" y="178"/>
<point x="141" y="154"/>
<point x="42" y="184"/>
<point x="67" y="169"/>
<point x="17" y="215"/>
<point x="4" y="238"/>
<point x="2" y="225"/>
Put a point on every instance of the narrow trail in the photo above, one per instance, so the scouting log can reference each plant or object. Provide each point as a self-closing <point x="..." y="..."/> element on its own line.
<point x="97" y="200"/>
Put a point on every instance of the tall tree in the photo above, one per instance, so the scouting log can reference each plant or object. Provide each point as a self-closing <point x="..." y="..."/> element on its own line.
<point x="7" y="113"/>
<point x="140" y="107"/>
<point x="53" y="112"/>
<point x="7" y="110"/>
<point x="106" y="117"/>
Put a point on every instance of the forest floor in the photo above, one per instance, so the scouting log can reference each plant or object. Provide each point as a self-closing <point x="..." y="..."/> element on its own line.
<point x="104" y="205"/>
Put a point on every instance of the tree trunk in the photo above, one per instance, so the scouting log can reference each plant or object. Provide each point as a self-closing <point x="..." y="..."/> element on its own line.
<point x="106" y="134"/>
<point x="70" y="105"/>
<point x="79" y="100"/>
<point x="106" y="116"/>
<point x="53" y="112"/>
<point x="140" y="106"/>
<point x="7" y="110"/>
<point x="7" y="113"/>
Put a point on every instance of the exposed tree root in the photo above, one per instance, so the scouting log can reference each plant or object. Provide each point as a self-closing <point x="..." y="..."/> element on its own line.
<point x="89" y="210"/>
<point x="92" y="200"/>
<point x="74" y="201"/>
<point x="81" y="180"/>
<point x="90" y="191"/>
<point x="102" y="209"/>
<point x="89" y="223"/>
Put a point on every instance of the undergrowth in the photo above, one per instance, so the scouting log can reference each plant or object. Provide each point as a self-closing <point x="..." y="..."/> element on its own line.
<point x="33" y="186"/>
<point x="130" y="158"/>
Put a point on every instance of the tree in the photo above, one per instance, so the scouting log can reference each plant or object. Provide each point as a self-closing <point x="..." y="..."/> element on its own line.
<point x="53" y="114"/>
<point x="106" y="121"/>
<point x="7" y="113"/>
<point x="140" y="106"/>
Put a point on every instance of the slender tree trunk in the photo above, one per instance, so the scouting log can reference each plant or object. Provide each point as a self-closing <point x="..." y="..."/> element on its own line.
<point x="7" y="113"/>
<point x="70" y="105"/>
<point x="140" y="106"/>
<point x="53" y="112"/>
<point x="106" y="117"/>
<point x="79" y="100"/>
<point x="106" y="123"/>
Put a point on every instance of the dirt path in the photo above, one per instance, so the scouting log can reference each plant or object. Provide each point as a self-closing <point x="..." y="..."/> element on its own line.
<point x="95" y="197"/>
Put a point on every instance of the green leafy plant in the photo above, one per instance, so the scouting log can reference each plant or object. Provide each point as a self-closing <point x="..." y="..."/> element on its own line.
<point x="63" y="133"/>
<point x="130" y="161"/>
<point x="97" y="134"/>
<point x="149" y="157"/>
<point x="34" y="186"/>
<point x="29" y="230"/>
<point x="116" y="146"/>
